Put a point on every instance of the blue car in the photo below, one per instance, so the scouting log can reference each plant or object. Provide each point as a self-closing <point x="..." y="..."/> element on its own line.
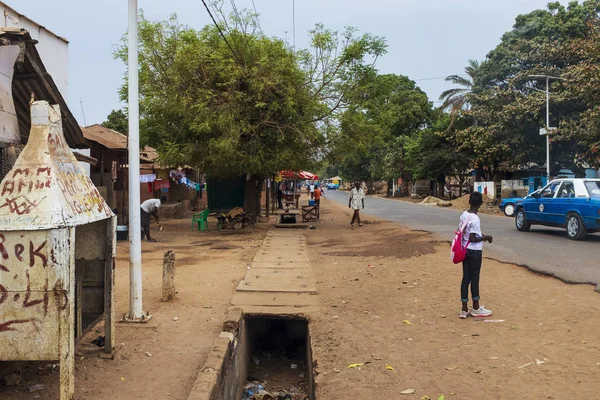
<point x="572" y="204"/>
<point x="509" y="205"/>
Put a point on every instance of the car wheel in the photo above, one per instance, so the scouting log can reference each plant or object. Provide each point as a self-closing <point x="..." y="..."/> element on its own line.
<point x="521" y="221"/>
<point x="575" y="228"/>
<point x="509" y="210"/>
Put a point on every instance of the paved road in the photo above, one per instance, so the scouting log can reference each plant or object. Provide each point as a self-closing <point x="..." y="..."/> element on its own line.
<point x="544" y="250"/>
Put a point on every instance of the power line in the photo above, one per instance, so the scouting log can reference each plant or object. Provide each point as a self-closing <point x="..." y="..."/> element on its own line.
<point x="436" y="77"/>
<point x="221" y="32"/>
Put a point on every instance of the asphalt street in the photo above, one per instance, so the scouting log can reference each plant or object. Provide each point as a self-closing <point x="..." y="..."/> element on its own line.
<point x="542" y="249"/>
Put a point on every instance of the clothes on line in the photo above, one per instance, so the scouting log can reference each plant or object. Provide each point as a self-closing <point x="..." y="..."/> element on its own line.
<point x="147" y="178"/>
<point x="160" y="184"/>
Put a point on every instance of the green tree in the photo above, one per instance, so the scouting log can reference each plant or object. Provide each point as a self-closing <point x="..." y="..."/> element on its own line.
<point x="457" y="99"/>
<point x="242" y="104"/>
<point x="510" y="109"/>
<point x="434" y="153"/>
<point x="383" y="112"/>
<point x="118" y="121"/>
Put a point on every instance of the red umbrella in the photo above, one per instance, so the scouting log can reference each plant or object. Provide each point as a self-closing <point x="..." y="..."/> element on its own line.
<point x="299" y="175"/>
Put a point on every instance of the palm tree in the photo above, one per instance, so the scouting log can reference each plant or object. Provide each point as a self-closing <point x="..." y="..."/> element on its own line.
<point x="458" y="99"/>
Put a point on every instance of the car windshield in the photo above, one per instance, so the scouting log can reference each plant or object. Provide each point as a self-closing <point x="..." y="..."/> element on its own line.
<point x="593" y="188"/>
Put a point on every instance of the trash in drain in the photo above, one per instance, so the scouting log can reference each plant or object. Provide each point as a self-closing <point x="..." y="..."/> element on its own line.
<point x="277" y="377"/>
<point x="278" y="368"/>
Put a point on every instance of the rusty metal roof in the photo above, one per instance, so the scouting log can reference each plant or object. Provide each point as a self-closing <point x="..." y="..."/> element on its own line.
<point x="106" y="137"/>
<point x="47" y="188"/>
<point x="31" y="79"/>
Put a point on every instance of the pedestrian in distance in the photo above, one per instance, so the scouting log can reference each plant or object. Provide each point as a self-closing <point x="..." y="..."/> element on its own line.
<point x="356" y="201"/>
<point x="311" y="189"/>
<point x="317" y="195"/>
<point x="473" y="239"/>
<point x="150" y="208"/>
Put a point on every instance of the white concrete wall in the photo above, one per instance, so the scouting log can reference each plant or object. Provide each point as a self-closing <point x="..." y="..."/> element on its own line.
<point x="53" y="50"/>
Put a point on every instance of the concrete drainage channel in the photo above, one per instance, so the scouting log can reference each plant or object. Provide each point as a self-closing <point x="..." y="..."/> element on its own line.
<point x="267" y="357"/>
<point x="264" y="351"/>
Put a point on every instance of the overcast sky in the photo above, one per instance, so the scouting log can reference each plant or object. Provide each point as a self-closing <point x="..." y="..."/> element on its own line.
<point x="426" y="38"/>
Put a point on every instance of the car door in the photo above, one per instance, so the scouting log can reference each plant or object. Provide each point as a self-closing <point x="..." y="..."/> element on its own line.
<point x="538" y="210"/>
<point x="564" y="202"/>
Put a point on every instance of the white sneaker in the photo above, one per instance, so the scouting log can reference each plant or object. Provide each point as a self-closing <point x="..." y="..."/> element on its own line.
<point x="482" y="312"/>
<point x="463" y="314"/>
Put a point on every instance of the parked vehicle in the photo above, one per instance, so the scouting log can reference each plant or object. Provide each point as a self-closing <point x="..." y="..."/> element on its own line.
<point x="572" y="204"/>
<point x="509" y="205"/>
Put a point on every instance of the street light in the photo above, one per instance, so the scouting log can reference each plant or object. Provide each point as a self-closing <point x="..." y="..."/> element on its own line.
<point x="136" y="312"/>
<point x="546" y="132"/>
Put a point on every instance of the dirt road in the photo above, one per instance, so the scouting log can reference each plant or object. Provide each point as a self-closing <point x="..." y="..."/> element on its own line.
<point x="159" y="360"/>
<point x="403" y="312"/>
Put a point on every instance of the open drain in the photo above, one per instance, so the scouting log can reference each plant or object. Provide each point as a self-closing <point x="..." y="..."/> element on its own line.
<point x="280" y="359"/>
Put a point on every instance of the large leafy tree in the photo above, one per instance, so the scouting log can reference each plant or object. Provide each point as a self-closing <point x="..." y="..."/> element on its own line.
<point x="384" y="111"/>
<point x="510" y="109"/>
<point x="434" y="153"/>
<point x="234" y="102"/>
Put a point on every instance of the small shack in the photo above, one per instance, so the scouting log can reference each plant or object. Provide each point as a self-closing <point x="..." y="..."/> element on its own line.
<point x="57" y="247"/>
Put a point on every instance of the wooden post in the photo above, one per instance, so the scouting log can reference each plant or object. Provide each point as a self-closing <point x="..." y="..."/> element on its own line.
<point x="109" y="286"/>
<point x="66" y="330"/>
<point x="168" y="287"/>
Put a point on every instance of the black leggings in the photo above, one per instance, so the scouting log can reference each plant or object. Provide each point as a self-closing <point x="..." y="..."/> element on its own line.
<point x="471" y="271"/>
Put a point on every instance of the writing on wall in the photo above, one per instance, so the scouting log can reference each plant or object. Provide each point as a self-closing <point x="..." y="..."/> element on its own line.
<point x="34" y="289"/>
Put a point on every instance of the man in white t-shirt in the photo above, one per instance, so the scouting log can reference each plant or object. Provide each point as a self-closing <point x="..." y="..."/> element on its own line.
<point x="356" y="201"/>
<point x="150" y="208"/>
<point x="311" y="189"/>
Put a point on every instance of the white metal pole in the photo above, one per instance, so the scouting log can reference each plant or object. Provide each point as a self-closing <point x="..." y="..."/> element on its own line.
<point x="548" y="127"/>
<point x="135" y="239"/>
<point x="294" y="21"/>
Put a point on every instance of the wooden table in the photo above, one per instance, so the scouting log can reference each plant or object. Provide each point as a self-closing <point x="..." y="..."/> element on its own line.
<point x="310" y="213"/>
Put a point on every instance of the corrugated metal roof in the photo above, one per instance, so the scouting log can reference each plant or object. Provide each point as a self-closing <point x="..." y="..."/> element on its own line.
<point x="32" y="79"/>
<point x="47" y="188"/>
<point x="107" y="137"/>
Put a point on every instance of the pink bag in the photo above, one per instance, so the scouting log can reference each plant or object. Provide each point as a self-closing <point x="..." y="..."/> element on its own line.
<point x="458" y="253"/>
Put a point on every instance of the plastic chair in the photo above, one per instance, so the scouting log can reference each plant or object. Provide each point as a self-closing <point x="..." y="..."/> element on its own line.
<point x="201" y="219"/>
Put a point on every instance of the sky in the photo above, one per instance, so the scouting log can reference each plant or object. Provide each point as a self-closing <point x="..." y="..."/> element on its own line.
<point x="426" y="38"/>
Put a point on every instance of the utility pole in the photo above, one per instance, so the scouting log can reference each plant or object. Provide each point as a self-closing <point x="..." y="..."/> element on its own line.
<point x="294" y="22"/>
<point x="136" y="312"/>
<point x="82" y="112"/>
<point x="548" y="130"/>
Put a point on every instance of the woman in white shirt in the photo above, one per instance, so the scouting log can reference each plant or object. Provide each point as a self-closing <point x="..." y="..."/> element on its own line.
<point x="472" y="263"/>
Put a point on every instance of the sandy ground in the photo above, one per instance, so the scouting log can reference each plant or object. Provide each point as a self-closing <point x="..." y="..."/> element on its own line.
<point x="389" y="297"/>
<point x="208" y="267"/>
<point x="403" y="312"/>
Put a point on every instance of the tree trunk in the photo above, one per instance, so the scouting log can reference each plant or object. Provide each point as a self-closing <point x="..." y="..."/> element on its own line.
<point x="251" y="193"/>
<point x="259" y="185"/>
<point x="267" y="198"/>
<point x="441" y="181"/>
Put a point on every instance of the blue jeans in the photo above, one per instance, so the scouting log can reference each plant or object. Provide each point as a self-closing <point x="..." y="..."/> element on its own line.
<point x="471" y="271"/>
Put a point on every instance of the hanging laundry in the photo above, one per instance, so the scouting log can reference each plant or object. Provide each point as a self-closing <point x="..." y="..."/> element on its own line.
<point x="147" y="178"/>
<point x="149" y="187"/>
<point x="162" y="184"/>
<point x="176" y="174"/>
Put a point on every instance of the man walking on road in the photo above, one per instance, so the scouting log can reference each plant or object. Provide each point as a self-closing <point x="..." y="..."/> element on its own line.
<point x="356" y="200"/>
<point x="150" y="208"/>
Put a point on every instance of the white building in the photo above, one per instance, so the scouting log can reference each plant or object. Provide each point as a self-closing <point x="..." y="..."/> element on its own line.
<point x="53" y="49"/>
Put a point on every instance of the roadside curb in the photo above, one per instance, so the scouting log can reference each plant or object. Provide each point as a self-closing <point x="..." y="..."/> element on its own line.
<point x="211" y="377"/>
